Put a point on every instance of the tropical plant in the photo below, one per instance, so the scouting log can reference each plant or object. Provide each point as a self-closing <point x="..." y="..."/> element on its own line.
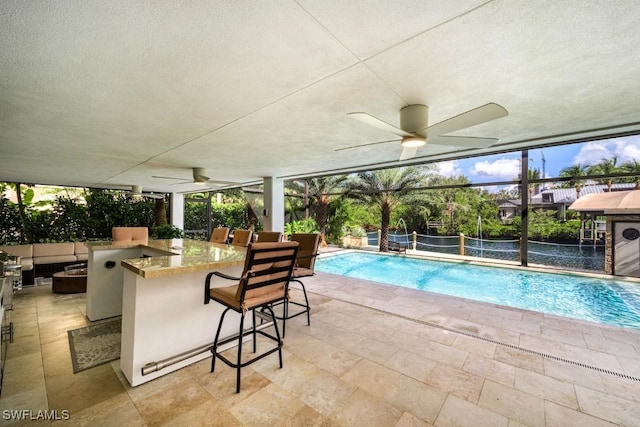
<point x="357" y="231"/>
<point x="344" y="213"/>
<point x="167" y="231"/>
<point x="10" y="224"/>
<point x="24" y="200"/>
<point x="308" y="225"/>
<point x="386" y="189"/>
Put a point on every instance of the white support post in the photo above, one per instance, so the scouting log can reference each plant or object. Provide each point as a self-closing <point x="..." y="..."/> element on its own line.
<point x="273" y="215"/>
<point x="176" y="210"/>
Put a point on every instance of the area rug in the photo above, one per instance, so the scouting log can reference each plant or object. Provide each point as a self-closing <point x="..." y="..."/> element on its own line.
<point x="95" y="344"/>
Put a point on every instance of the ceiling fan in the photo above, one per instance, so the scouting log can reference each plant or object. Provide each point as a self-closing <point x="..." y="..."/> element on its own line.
<point x="199" y="177"/>
<point x="136" y="190"/>
<point x="415" y="132"/>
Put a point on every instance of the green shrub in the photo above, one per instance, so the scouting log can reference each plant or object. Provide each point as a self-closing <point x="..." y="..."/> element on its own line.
<point x="167" y="231"/>
<point x="302" y="226"/>
<point x="357" y="231"/>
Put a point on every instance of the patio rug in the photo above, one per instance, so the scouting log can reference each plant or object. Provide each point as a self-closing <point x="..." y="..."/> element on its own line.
<point x="95" y="345"/>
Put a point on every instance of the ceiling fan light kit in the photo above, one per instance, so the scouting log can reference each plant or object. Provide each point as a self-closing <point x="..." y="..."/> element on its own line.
<point x="413" y="141"/>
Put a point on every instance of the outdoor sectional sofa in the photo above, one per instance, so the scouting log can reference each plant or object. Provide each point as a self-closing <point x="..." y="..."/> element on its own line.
<point x="45" y="259"/>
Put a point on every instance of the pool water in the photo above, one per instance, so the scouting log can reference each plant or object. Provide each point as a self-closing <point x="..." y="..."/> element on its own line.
<point x="599" y="300"/>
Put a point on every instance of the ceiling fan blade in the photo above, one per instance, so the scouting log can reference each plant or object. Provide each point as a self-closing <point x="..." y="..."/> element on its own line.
<point x="375" y="122"/>
<point x="365" y="145"/>
<point x="462" y="141"/>
<point x="218" y="182"/>
<point x="408" y="153"/>
<point x="153" y="195"/>
<point x="479" y="115"/>
<point x="170" y="177"/>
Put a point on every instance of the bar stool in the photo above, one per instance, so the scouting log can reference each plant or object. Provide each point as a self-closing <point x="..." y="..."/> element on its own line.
<point x="219" y="235"/>
<point x="269" y="236"/>
<point x="241" y="237"/>
<point x="267" y="271"/>
<point x="305" y="262"/>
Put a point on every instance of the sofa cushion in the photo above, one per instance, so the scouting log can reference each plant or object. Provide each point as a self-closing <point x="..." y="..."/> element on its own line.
<point x="81" y="251"/>
<point x="27" y="264"/>
<point x="25" y="251"/>
<point x="56" y="259"/>
<point x="53" y="249"/>
<point x="51" y="253"/>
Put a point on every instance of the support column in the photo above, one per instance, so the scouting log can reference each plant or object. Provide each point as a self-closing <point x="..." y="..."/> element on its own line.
<point x="176" y="210"/>
<point x="273" y="215"/>
<point x="524" y="209"/>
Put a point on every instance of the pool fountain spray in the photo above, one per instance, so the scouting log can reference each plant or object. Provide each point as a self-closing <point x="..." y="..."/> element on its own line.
<point x="406" y="233"/>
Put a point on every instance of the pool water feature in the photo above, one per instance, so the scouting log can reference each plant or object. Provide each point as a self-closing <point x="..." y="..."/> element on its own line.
<point x="612" y="302"/>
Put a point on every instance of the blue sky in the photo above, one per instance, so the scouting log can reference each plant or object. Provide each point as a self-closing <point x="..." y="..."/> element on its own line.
<point x="504" y="167"/>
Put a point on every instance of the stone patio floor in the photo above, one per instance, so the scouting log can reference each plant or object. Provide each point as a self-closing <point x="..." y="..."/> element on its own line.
<point x="374" y="355"/>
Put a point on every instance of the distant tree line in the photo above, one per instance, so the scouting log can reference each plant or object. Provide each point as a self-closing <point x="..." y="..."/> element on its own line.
<point x="332" y="205"/>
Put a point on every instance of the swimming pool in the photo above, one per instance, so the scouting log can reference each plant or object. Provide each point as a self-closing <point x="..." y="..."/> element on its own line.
<point x="599" y="300"/>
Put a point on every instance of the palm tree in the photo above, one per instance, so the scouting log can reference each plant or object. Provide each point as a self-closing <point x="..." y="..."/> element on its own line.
<point x="534" y="174"/>
<point x="632" y="166"/>
<point x="573" y="172"/>
<point x="160" y="208"/>
<point x="320" y="189"/>
<point x="386" y="188"/>
<point x="605" y="167"/>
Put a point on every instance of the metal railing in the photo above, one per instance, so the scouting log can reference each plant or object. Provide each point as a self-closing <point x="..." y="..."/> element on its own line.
<point x="569" y="256"/>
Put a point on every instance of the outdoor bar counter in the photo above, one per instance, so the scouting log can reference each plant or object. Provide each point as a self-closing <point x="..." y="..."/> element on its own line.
<point x="158" y="288"/>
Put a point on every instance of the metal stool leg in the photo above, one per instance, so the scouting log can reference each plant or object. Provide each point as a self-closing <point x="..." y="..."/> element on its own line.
<point x="214" y="349"/>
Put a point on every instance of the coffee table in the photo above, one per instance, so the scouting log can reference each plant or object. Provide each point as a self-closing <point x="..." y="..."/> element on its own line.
<point x="70" y="281"/>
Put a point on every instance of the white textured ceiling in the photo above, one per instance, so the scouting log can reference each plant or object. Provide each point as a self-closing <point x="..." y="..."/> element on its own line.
<point x="112" y="93"/>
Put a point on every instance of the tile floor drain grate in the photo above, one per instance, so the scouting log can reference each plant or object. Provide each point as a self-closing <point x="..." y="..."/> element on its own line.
<point x="515" y="347"/>
<point x="545" y="355"/>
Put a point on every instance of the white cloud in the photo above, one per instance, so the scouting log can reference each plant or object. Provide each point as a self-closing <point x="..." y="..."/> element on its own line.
<point x="500" y="168"/>
<point x="625" y="149"/>
<point x="449" y="168"/>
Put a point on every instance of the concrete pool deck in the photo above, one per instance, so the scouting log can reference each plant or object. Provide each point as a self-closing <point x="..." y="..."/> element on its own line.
<point x="374" y="355"/>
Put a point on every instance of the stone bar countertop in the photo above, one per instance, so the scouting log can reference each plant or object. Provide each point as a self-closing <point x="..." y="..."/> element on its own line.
<point x="177" y="256"/>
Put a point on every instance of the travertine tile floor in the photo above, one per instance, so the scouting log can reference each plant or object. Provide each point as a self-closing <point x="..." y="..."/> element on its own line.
<point x="374" y="355"/>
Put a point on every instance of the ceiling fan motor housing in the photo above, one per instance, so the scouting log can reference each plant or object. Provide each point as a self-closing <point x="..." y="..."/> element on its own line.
<point x="199" y="175"/>
<point x="414" y="118"/>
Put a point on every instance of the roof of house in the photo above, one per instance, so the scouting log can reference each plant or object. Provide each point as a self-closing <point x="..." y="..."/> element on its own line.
<point x="615" y="202"/>
<point x="569" y="195"/>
